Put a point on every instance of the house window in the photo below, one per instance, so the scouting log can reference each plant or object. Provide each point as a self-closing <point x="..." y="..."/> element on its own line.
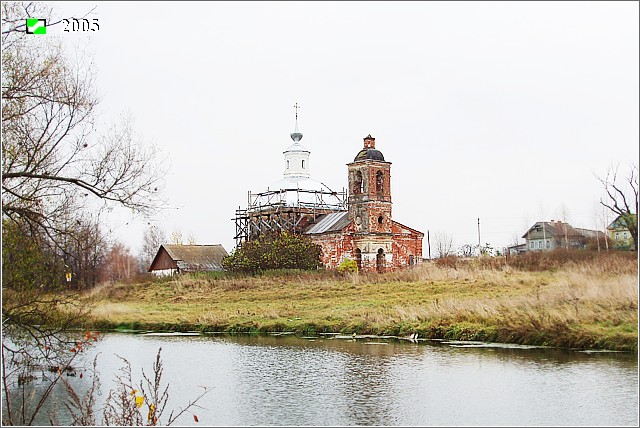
<point x="532" y="245"/>
<point x="548" y="244"/>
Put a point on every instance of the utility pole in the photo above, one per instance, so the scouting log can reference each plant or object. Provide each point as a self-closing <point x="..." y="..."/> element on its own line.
<point x="429" y="244"/>
<point x="479" y="234"/>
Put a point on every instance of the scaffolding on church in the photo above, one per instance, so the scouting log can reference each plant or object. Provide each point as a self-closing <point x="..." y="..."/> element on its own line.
<point x="291" y="210"/>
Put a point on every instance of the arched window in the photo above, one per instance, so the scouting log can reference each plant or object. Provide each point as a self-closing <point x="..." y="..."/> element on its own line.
<point x="358" y="185"/>
<point x="379" y="181"/>
<point x="359" y="259"/>
<point x="380" y="220"/>
<point x="302" y="163"/>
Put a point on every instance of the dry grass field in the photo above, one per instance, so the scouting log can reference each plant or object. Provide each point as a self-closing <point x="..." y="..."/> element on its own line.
<point x="563" y="299"/>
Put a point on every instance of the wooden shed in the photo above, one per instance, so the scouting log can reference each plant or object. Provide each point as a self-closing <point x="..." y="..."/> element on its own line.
<point x="172" y="259"/>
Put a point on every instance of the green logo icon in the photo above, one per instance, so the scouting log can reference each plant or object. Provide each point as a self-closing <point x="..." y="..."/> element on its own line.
<point x="36" y="26"/>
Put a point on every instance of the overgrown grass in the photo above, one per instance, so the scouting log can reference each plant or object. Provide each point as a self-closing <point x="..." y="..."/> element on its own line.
<point x="579" y="300"/>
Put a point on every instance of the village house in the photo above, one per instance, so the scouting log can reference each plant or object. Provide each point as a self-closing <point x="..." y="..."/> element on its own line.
<point x="176" y="258"/>
<point x="356" y="224"/>
<point x="546" y="236"/>
<point x="619" y="234"/>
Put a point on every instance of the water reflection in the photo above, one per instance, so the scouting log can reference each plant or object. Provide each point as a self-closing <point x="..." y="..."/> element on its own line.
<point x="264" y="380"/>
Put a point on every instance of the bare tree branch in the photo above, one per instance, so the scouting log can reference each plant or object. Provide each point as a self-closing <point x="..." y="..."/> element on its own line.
<point x="622" y="199"/>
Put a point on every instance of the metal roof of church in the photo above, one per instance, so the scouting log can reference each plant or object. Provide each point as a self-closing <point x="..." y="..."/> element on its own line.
<point x="333" y="222"/>
<point x="369" y="154"/>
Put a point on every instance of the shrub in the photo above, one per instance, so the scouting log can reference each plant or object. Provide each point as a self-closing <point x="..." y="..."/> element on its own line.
<point x="448" y="262"/>
<point x="274" y="251"/>
<point x="348" y="266"/>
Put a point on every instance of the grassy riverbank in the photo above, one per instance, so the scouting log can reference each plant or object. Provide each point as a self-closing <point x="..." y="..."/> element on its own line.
<point x="590" y="303"/>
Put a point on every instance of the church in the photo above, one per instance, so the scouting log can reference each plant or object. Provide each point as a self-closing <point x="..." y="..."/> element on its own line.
<point x="355" y="224"/>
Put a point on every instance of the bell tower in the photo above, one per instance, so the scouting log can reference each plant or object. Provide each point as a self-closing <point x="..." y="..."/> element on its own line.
<point x="370" y="207"/>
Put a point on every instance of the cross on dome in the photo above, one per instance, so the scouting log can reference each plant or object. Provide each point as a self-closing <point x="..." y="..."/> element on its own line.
<point x="296" y="135"/>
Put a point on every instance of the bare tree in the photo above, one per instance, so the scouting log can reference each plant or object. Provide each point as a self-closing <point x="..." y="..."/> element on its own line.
<point x="467" y="250"/>
<point x="622" y="198"/>
<point x="563" y="214"/>
<point x="120" y="263"/>
<point x="601" y="218"/>
<point x="85" y="252"/>
<point x="56" y="168"/>
<point x="444" y="245"/>
<point x="515" y="240"/>
<point x="152" y="239"/>
<point x="176" y="237"/>
<point x="53" y="159"/>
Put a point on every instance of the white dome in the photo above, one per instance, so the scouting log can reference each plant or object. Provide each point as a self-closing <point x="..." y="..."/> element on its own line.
<point x="296" y="189"/>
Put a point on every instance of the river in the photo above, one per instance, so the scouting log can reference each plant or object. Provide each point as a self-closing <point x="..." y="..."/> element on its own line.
<point x="285" y="380"/>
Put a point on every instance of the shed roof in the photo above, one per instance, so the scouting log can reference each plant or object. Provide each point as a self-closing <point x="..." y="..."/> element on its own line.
<point x="194" y="257"/>
<point x="590" y="233"/>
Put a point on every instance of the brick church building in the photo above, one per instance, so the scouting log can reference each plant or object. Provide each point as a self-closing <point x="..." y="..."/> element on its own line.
<point x="356" y="224"/>
<point x="366" y="232"/>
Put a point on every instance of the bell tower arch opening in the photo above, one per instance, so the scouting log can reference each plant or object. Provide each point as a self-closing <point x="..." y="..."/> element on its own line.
<point x="379" y="182"/>
<point x="358" y="183"/>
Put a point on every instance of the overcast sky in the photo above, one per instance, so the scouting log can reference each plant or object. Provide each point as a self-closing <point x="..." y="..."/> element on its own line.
<point x="501" y="111"/>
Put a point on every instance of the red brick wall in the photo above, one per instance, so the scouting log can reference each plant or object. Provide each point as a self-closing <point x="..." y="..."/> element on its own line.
<point x="406" y="242"/>
<point x="334" y="248"/>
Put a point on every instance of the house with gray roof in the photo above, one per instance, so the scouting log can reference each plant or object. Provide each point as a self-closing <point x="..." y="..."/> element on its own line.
<point x="172" y="259"/>
<point x="549" y="235"/>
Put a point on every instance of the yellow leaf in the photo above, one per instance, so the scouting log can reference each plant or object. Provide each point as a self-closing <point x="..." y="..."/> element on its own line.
<point x="139" y="401"/>
<point x="152" y="408"/>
